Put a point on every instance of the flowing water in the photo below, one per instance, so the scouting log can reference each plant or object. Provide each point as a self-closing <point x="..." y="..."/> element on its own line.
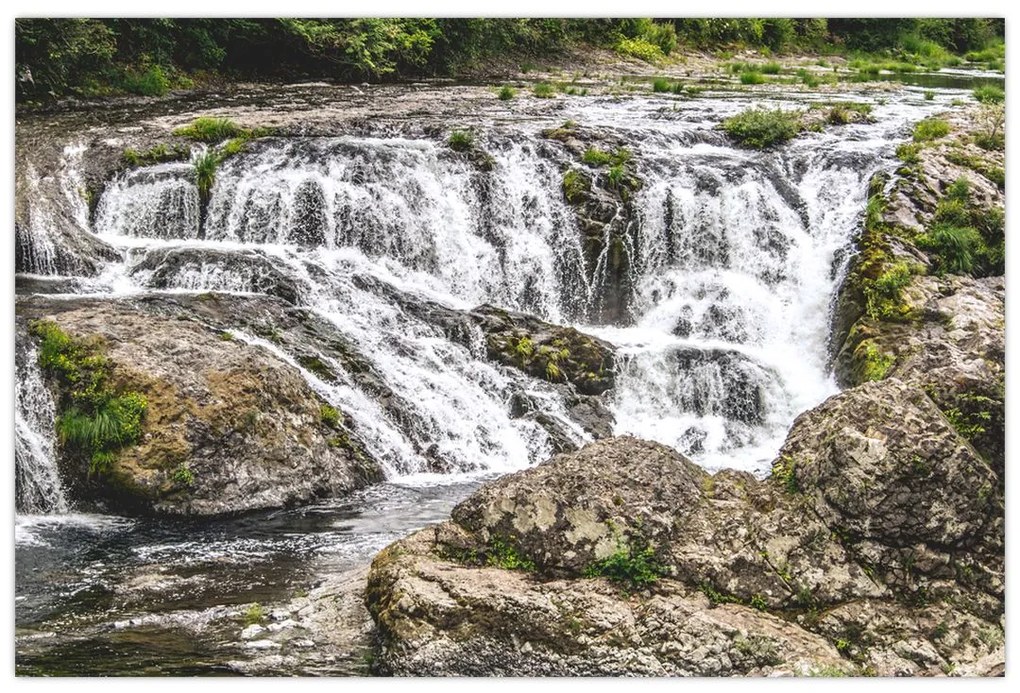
<point x="734" y="260"/>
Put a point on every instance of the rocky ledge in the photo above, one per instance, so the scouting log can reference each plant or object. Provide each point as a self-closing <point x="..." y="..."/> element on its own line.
<point x="876" y="547"/>
<point x="228" y="426"/>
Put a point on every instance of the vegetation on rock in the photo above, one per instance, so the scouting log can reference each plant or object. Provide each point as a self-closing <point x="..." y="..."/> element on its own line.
<point x="759" y="128"/>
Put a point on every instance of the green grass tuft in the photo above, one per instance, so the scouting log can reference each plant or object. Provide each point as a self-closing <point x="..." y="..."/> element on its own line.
<point x="930" y="129"/>
<point x="210" y="130"/>
<point x="989" y="93"/>
<point x="506" y="92"/>
<point x="760" y="128"/>
<point x="461" y="140"/>
<point x="543" y="90"/>
<point x="752" y="78"/>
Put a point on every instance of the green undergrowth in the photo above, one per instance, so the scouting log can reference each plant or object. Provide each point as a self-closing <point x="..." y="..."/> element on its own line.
<point x="460" y="140"/>
<point x="759" y="128"/>
<point x="232" y="138"/>
<point x="930" y="129"/>
<point x="502" y="553"/>
<point x="156" y="154"/>
<point x="95" y="419"/>
<point x="964" y="237"/>
<point x="632" y="565"/>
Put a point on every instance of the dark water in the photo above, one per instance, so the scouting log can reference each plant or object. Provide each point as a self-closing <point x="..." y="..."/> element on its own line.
<point x="937" y="80"/>
<point x="104" y="595"/>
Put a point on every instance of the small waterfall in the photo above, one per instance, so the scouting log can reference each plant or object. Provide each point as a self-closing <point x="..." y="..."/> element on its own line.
<point x="732" y="259"/>
<point x="37" y="480"/>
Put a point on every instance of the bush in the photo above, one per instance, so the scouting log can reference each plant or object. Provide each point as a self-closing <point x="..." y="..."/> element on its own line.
<point x="760" y="128"/>
<point x="461" y="140"/>
<point x="640" y="48"/>
<point x="989" y="93"/>
<point x="955" y="249"/>
<point x="210" y="130"/>
<point x="205" y="173"/>
<point x="543" y="90"/>
<point x="506" y="93"/>
<point x="150" y="82"/>
<point x="930" y="129"/>
<point x="751" y="78"/>
<point x="329" y="416"/>
<point x="633" y="565"/>
<point x="661" y="85"/>
<point x="94" y="419"/>
<point x="596" y="157"/>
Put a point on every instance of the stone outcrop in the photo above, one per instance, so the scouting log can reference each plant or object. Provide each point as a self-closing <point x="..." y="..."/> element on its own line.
<point x="876" y="547"/>
<point x="229" y="426"/>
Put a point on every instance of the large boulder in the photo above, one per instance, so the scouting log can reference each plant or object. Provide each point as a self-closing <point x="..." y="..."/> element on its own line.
<point x="626" y="558"/>
<point x="229" y="426"/>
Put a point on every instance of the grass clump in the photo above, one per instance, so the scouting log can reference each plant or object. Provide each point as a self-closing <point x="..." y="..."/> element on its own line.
<point x="575" y="186"/>
<point x="543" y="90"/>
<point x="661" y="85"/>
<point x="632" y="565"/>
<point x="882" y="296"/>
<point x="254" y="614"/>
<point x="506" y="92"/>
<point x="640" y="48"/>
<point x="95" y="420"/>
<point x="760" y="128"/>
<point x="785" y="472"/>
<point x="593" y="156"/>
<point x="210" y="130"/>
<point x="205" y="173"/>
<point x="930" y="129"/>
<point x="929" y="95"/>
<point x="770" y="68"/>
<point x="503" y="554"/>
<point x="955" y="249"/>
<point x="329" y="416"/>
<point x="752" y="77"/>
<point x="156" y="154"/>
<point x="461" y="140"/>
<point x="909" y="153"/>
<point x="989" y="93"/>
<point x="151" y="81"/>
<point x="183" y="475"/>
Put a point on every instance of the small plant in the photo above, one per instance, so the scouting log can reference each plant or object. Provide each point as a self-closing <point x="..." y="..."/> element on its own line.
<point x="661" y="85"/>
<point x="329" y="416"/>
<point x="752" y="78"/>
<point x="632" y="565"/>
<point x="594" y="156"/>
<point x="909" y="152"/>
<point x="992" y="120"/>
<point x="226" y="336"/>
<point x="183" y="475"/>
<point x="205" y="173"/>
<point x="461" y="140"/>
<point x="929" y="95"/>
<point x="758" y="602"/>
<point x="502" y="554"/>
<point x="553" y="372"/>
<point x="873" y="364"/>
<point x="615" y="176"/>
<point x="156" y="154"/>
<point x="882" y="296"/>
<point x="771" y="68"/>
<point x="210" y="130"/>
<point x="930" y="129"/>
<point x="151" y="81"/>
<point x="506" y="92"/>
<point x="760" y="128"/>
<point x="785" y="472"/>
<point x="543" y="90"/>
<point x="254" y="614"/>
<point x="956" y="249"/>
<point x="989" y="93"/>
<point x="575" y="186"/>
<point x="524" y="348"/>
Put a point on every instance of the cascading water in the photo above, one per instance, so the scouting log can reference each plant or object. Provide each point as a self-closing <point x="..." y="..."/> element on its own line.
<point x="37" y="481"/>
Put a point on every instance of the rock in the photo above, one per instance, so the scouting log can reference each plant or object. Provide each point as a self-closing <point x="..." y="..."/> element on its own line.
<point x="229" y="427"/>
<point x="252" y="631"/>
<point x="826" y="566"/>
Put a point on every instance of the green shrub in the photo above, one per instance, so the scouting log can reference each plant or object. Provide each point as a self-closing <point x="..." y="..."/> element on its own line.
<point x="506" y="92"/>
<point x="930" y="129"/>
<point x="751" y="78"/>
<point x="254" y="614"/>
<point x="503" y="554"/>
<point x="661" y="85"/>
<point x="770" y="68"/>
<point x="882" y="296"/>
<point x="461" y="140"/>
<point x="543" y="90"/>
<point x="640" y="48"/>
<point x="929" y="95"/>
<point x="989" y="93"/>
<point x="760" y="128"/>
<point x="183" y="475"/>
<point x="205" y="173"/>
<point x="594" y="156"/>
<point x="909" y="152"/>
<point x="94" y="419"/>
<point x="151" y="81"/>
<point x="575" y="186"/>
<point x="632" y="565"/>
<point x="329" y="416"/>
<point x="615" y="176"/>
<point x="210" y="130"/>
<point x="955" y="249"/>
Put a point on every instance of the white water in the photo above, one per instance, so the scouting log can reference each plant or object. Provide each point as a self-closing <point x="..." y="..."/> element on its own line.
<point x="735" y="263"/>
<point x="37" y="480"/>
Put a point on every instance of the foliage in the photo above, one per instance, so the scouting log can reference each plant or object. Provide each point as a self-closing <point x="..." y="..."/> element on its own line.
<point x="661" y="85"/>
<point x="183" y="475"/>
<point x="543" y="90"/>
<point x="882" y="296"/>
<point x="956" y="249"/>
<point x="929" y="95"/>
<point x="992" y="121"/>
<point x="785" y="472"/>
<point x="575" y="186"/>
<point x="872" y="363"/>
<point x="640" y="48"/>
<point x="461" y="140"/>
<point x="95" y="420"/>
<point x="254" y="614"/>
<point x="930" y="129"/>
<point x="205" y="173"/>
<point x="211" y="130"/>
<point x="503" y="554"/>
<point x="329" y="416"/>
<point x="593" y="156"/>
<point x="506" y="92"/>
<point x="752" y="78"/>
<point x="760" y="128"/>
<point x="632" y="564"/>
<point x="156" y="154"/>
<point x="989" y="93"/>
<point x="770" y="68"/>
<point x="908" y="152"/>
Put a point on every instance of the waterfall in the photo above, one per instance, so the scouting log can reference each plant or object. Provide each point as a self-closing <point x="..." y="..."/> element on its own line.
<point x="37" y="481"/>
<point x="734" y="257"/>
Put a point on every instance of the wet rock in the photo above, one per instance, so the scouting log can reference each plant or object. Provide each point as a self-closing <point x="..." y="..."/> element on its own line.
<point x="826" y="566"/>
<point x="229" y="427"/>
